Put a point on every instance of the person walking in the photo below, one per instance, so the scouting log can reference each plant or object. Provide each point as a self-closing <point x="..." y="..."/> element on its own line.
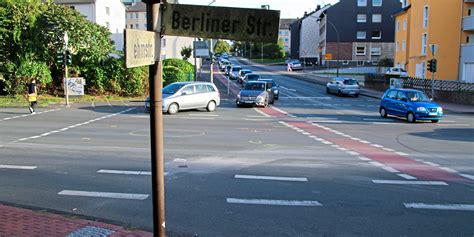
<point x="32" y="95"/>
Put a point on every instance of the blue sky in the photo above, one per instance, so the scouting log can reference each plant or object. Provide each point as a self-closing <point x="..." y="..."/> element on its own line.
<point x="288" y="8"/>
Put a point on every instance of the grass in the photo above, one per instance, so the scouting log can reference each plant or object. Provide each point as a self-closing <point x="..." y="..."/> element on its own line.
<point x="268" y="60"/>
<point x="47" y="100"/>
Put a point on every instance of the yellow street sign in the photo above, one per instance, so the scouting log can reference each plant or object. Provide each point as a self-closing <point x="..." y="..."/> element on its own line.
<point x="328" y="56"/>
<point x="140" y="48"/>
<point x="257" y="25"/>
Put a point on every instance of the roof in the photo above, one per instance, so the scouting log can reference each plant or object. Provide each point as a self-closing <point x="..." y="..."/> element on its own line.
<point x="138" y="7"/>
<point x="403" y="10"/>
<point x="73" y="1"/>
<point x="285" y="22"/>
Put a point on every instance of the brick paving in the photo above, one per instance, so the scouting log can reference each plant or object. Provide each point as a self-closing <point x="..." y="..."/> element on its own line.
<point x="18" y="222"/>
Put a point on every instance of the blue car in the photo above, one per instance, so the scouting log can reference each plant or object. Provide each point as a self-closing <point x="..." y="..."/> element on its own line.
<point x="412" y="104"/>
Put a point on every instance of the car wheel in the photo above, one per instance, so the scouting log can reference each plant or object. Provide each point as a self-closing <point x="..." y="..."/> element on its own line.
<point x="211" y="106"/>
<point x="327" y="91"/>
<point x="383" y="112"/>
<point x="266" y="103"/>
<point x="434" y="121"/>
<point x="276" y="98"/>
<point x="339" y="93"/>
<point x="411" y="117"/>
<point x="173" y="108"/>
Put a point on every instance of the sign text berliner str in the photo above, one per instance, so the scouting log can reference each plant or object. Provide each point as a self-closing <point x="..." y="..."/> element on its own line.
<point x="240" y="24"/>
<point x="140" y="49"/>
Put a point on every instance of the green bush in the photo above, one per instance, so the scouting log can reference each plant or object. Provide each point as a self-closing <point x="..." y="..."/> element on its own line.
<point x="183" y="65"/>
<point x="173" y="74"/>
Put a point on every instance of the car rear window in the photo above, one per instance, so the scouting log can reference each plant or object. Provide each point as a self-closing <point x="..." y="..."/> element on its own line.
<point x="210" y="88"/>
<point x="349" y="82"/>
<point x="392" y="95"/>
<point x="252" y="77"/>
<point x="201" y="88"/>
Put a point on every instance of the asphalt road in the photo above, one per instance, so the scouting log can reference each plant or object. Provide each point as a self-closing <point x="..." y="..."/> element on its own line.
<point x="311" y="165"/>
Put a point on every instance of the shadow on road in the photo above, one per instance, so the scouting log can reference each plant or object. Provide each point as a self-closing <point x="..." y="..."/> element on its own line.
<point x="112" y="109"/>
<point x="450" y="134"/>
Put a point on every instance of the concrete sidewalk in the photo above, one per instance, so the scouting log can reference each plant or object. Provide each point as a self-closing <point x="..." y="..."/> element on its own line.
<point x="21" y="222"/>
<point x="323" y="80"/>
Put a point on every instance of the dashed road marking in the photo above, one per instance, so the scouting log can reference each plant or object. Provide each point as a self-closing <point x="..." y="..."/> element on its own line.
<point x="132" y="196"/>
<point x="449" y="169"/>
<point x="447" y="207"/>
<point x="126" y="172"/>
<point x="468" y="176"/>
<point x="390" y="169"/>
<point x="18" y="167"/>
<point x="407" y="182"/>
<point x="406" y="176"/>
<point x="26" y="115"/>
<point x="275" y="178"/>
<point x="273" y="202"/>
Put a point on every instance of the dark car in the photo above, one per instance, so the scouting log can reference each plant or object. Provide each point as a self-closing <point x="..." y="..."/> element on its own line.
<point x="227" y="69"/>
<point x="234" y="72"/>
<point x="242" y="74"/>
<point x="273" y="86"/>
<point x="411" y="104"/>
<point x="255" y="93"/>
<point x="250" y="77"/>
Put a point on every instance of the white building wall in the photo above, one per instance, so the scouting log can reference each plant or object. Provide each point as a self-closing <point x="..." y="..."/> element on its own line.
<point x="309" y="41"/>
<point x="114" y="19"/>
<point x="85" y="9"/>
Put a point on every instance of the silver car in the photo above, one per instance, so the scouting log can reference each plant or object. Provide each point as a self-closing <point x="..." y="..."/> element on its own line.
<point x="255" y="93"/>
<point x="189" y="95"/>
<point x="343" y="86"/>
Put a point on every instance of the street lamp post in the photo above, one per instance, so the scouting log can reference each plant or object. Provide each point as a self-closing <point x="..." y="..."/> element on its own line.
<point x="66" y="41"/>
<point x="338" y="40"/>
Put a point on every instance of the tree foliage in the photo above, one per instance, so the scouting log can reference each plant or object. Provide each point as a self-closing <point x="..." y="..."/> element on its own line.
<point x="186" y="52"/>
<point x="175" y="70"/>
<point x="222" y="47"/>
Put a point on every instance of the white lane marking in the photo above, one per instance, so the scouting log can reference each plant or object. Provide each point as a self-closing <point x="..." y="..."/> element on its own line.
<point x="341" y="113"/>
<point x="133" y="196"/>
<point x="258" y="119"/>
<point x="255" y="116"/>
<point x="23" y="139"/>
<point x="204" y="115"/>
<point x="406" y="176"/>
<point x="342" y="149"/>
<point x="441" y="183"/>
<point x="262" y="113"/>
<point x="273" y="202"/>
<point x="468" y="176"/>
<point x="447" y="207"/>
<point x="388" y="149"/>
<point x="288" y="89"/>
<point x="375" y="163"/>
<point x="431" y="163"/>
<point x="376" y="145"/>
<point x="355" y="138"/>
<point x="283" y="112"/>
<point x="390" y="169"/>
<point x="127" y="172"/>
<point x="19" y="167"/>
<point x="366" y="119"/>
<point x="449" y="169"/>
<point x="275" y="178"/>
<point x="365" y="142"/>
<point x="196" y="118"/>
<point x="401" y="153"/>
<point x="305" y="97"/>
<point x="364" y="158"/>
<point x="352" y="153"/>
<point x="140" y="116"/>
<point x="382" y="123"/>
<point x="326" y="121"/>
<point x="26" y="115"/>
<point x="327" y="142"/>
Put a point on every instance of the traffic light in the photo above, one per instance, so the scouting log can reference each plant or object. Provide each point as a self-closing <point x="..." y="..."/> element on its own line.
<point x="68" y="57"/>
<point x="432" y="65"/>
<point x="60" y="57"/>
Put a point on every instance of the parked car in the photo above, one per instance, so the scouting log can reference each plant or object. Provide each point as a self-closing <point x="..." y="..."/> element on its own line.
<point x="223" y="64"/>
<point x="242" y="74"/>
<point x="396" y="72"/>
<point x="343" y="86"/>
<point x="273" y="86"/>
<point x="295" y="64"/>
<point x="255" y="93"/>
<point x="188" y="95"/>
<point x="228" y="68"/>
<point x="250" y="77"/>
<point x="411" y="104"/>
<point x="234" y="72"/>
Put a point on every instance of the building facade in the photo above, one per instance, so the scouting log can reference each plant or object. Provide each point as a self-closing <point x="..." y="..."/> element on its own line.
<point x="309" y="36"/>
<point x="449" y="25"/>
<point x="364" y="36"/>
<point x="108" y="13"/>
<point x="284" y="36"/>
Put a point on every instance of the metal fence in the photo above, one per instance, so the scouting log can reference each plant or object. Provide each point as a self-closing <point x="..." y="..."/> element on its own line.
<point x="439" y="85"/>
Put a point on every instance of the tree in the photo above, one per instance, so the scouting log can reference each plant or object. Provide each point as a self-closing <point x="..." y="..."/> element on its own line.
<point x="186" y="52"/>
<point x="222" y="47"/>
<point x="186" y="67"/>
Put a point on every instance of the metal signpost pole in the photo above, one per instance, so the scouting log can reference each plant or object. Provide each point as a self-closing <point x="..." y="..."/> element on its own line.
<point x="433" y="48"/>
<point x="212" y="61"/>
<point x="66" y="87"/>
<point x="156" y="123"/>
<point x="195" y="60"/>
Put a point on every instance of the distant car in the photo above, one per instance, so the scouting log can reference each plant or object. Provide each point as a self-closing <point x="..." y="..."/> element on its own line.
<point x="227" y="70"/>
<point x="234" y="72"/>
<point x="343" y="86"/>
<point x="396" y="72"/>
<point x="223" y="64"/>
<point x="188" y="95"/>
<point x="242" y="74"/>
<point x="250" y="77"/>
<point x="255" y="93"/>
<point x="273" y="86"/>
<point x="295" y="64"/>
<point x="411" y="104"/>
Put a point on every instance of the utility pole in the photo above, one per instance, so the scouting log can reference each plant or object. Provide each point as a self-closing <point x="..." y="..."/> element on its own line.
<point x="156" y="122"/>
<point x="434" y="49"/>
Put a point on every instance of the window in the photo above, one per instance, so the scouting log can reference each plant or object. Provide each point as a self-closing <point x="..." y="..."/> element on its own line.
<point x="361" y="18"/>
<point x="131" y="26"/>
<point x="424" y="39"/>
<point x="201" y="88"/>
<point x="375" y="63"/>
<point x="404" y="24"/>
<point x="469" y="11"/>
<point x="130" y="16"/>
<point x="163" y="42"/>
<point x="360" y="34"/>
<point x="107" y="24"/>
<point x="425" y="17"/>
<point x="398" y="26"/>
<point x="404" y="45"/>
<point x="360" y="50"/>
<point x="280" y="32"/>
<point x="107" y="10"/>
<point x="286" y="39"/>
<point x="392" y="95"/>
<point x="145" y="26"/>
<point x="376" y="34"/>
<point x="188" y="89"/>
<point x="361" y="3"/>
<point x="360" y="63"/>
<point x="377" y="51"/>
<point x="377" y="18"/>
<point x="377" y="3"/>
<point x="402" y="96"/>
<point x="345" y="62"/>
<point x="136" y="26"/>
<point x="404" y="3"/>
<point x="397" y="47"/>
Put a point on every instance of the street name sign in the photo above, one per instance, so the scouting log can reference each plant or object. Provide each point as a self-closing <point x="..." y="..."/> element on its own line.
<point x="140" y="49"/>
<point x="242" y="24"/>
<point x="201" y="49"/>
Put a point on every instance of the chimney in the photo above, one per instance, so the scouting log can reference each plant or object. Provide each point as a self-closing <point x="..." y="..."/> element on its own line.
<point x="318" y="7"/>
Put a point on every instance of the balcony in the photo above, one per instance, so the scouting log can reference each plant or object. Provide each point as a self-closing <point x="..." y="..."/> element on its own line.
<point x="468" y="23"/>
<point x="467" y="52"/>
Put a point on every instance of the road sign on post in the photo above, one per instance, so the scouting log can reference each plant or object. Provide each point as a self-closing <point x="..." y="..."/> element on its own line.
<point x="256" y="25"/>
<point x="140" y="48"/>
<point x="201" y="49"/>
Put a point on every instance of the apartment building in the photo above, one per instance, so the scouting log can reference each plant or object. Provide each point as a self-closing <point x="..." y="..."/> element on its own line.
<point x="108" y="13"/>
<point x="358" y="32"/>
<point x="449" y="24"/>
<point x="284" y="34"/>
